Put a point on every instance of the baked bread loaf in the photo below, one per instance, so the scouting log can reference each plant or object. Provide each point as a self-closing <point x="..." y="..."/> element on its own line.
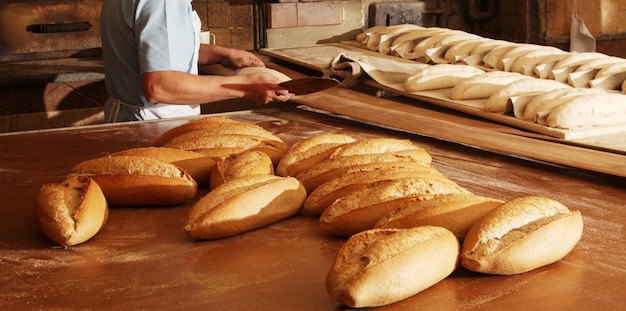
<point x="327" y="193"/>
<point x="361" y="209"/>
<point x="227" y="144"/>
<point x="237" y="165"/>
<point x="244" y="204"/>
<point x="132" y="180"/>
<point x="196" y="164"/>
<point x="521" y="235"/>
<point x="335" y="167"/>
<point x="207" y="122"/>
<point x="382" y="266"/>
<point x="456" y="212"/>
<point x="308" y="152"/>
<point x="71" y="212"/>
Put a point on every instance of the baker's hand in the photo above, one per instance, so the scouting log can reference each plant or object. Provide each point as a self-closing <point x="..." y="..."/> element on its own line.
<point x="238" y="59"/>
<point x="263" y="88"/>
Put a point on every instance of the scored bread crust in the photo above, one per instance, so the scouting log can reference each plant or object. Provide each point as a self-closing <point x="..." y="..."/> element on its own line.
<point x="308" y="152"/>
<point x="244" y="204"/>
<point x="382" y="266"/>
<point x="231" y="129"/>
<point x="332" y="168"/>
<point x="71" y="212"/>
<point x="521" y="235"/>
<point x="456" y="212"/>
<point x="237" y="165"/>
<point x="198" y="165"/>
<point x="231" y="143"/>
<point x="361" y="209"/>
<point x="133" y="180"/>
<point x="207" y="122"/>
<point x="327" y="193"/>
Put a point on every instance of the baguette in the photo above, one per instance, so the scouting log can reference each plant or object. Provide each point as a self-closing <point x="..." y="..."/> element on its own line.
<point x="381" y="145"/>
<point x="382" y="266"/>
<point x="308" y="152"/>
<point x="191" y="126"/>
<point x="521" y="235"/>
<point x="361" y="209"/>
<point x="196" y="164"/>
<point x="244" y="204"/>
<point x="237" y="165"/>
<point x="456" y="212"/>
<point x="132" y="180"/>
<point x="71" y="212"/>
<point x="484" y="85"/>
<point x="327" y="193"/>
<point x="332" y="168"/>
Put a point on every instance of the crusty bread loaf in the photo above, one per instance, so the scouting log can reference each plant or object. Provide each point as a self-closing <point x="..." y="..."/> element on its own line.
<point x="456" y="212"/>
<point x="207" y="122"/>
<point x="327" y="193"/>
<point x="71" y="212"/>
<point x="243" y="129"/>
<point x="244" y="204"/>
<point x="308" y="152"/>
<point x="361" y="209"/>
<point x="132" y="180"/>
<point x="332" y="168"/>
<point x="237" y="165"/>
<point x="230" y="144"/>
<point x="196" y="164"/>
<point x="379" y="145"/>
<point x="521" y="235"/>
<point x="382" y="266"/>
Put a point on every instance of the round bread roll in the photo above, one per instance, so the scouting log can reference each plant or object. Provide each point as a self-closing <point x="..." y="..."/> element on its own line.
<point x="244" y="204"/>
<point x="192" y="126"/>
<point x="196" y="164"/>
<point x="327" y="193"/>
<point x="237" y="165"/>
<point x="361" y="209"/>
<point x="332" y="168"/>
<point x="382" y="266"/>
<point x="521" y="235"/>
<point x="308" y="152"/>
<point x="132" y="180"/>
<point x="71" y="212"/>
<point x="456" y="212"/>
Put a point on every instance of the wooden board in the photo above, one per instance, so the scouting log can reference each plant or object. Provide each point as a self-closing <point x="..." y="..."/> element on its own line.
<point x="318" y="57"/>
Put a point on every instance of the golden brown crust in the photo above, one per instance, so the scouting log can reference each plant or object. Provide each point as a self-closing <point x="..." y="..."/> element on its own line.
<point x="361" y="209"/>
<point x="234" y="142"/>
<point x="244" y="204"/>
<point x="198" y="165"/>
<point x="131" y="180"/>
<point x="521" y="235"/>
<point x="237" y="165"/>
<point x="71" y="212"/>
<point x="327" y="193"/>
<point x="231" y="129"/>
<point x="456" y="212"/>
<point x="192" y="126"/>
<point x="332" y="168"/>
<point x="308" y="152"/>
<point x="382" y="266"/>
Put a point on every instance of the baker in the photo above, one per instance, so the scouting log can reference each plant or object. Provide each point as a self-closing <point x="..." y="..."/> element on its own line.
<point x="151" y="51"/>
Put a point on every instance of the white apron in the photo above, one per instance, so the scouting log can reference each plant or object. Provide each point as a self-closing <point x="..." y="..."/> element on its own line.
<point x="159" y="110"/>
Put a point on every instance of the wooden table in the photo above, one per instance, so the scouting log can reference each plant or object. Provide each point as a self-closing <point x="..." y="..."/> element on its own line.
<point x="142" y="259"/>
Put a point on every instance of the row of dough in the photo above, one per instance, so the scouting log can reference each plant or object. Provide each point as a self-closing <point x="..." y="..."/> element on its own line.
<point x="545" y="102"/>
<point x="447" y="46"/>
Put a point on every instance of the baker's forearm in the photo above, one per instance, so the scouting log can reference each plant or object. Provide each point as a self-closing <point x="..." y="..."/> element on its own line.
<point x="174" y="87"/>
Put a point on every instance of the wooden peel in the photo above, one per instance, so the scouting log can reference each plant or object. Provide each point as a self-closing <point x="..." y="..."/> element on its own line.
<point x="308" y="85"/>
